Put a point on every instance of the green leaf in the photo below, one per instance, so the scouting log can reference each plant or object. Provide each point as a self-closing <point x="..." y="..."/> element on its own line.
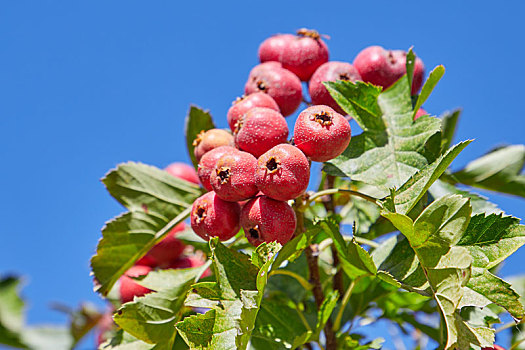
<point x="151" y="318"/>
<point x="434" y="77"/>
<point x="295" y="247"/>
<point x="449" y="121"/>
<point x="392" y="146"/>
<point x="234" y="299"/>
<point x="476" y="316"/>
<point x="498" y="171"/>
<point x="497" y="291"/>
<point x="156" y="201"/>
<point x="279" y="325"/>
<point x="410" y="64"/>
<point x="197" y="120"/>
<point x="479" y="203"/>
<point x="47" y="338"/>
<point x="11" y="312"/>
<point x="325" y="311"/>
<point x="413" y="190"/>
<point x="355" y="260"/>
<point x="493" y="238"/>
<point x="433" y="237"/>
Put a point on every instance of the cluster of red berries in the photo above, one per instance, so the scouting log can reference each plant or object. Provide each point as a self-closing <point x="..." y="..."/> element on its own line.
<point x="253" y="171"/>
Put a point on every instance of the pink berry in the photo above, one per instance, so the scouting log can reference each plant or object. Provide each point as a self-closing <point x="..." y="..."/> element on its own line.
<point x="104" y="325"/>
<point x="272" y="48"/>
<point x="214" y="217"/>
<point x="130" y="288"/>
<point x="166" y="251"/>
<point x="384" y="67"/>
<point x="330" y="71"/>
<point x="283" y="172"/>
<point x="183" y="171"/>
<point x="208" y="162"/>
<point x="259" y="130"/>
<point x="245" y="103"/>
<point x="496" y="347"/>
<point x="210" y="139"/>
<point x="305" y="54"/>
<point x="321" y="133"/>
<point x="420" y="112"/>
<point x="266" y="220"/>
<point x="281" y="84"/>
<point x="233" y="178"/>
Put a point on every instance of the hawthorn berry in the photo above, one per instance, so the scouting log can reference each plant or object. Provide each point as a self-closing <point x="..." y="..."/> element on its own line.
<point x="384" y="67"/>
<point x="281" y="84"/>
<point x="266" y="220"/>
<point x="183" y="171"/>
<point x="186" y="262"/>
<point x="233" y="178"/>
<point x="244" y="104"/>
<point x="130" y="288"/>
<point x="420" y="112"/>
<point x="213" y="217"/>
<point x="103" y="327"/>
<point x="210" y="139"/>
<point x="166" y="251"/>
<point x="301" y="54"/>
<point x="321" y="133"/>
<point x="283" y="172"/>
<point x="259" y="130"/>
<point x="495" y="347"/>
<point x="330" y="71"/>
<point x="208" y="162"/>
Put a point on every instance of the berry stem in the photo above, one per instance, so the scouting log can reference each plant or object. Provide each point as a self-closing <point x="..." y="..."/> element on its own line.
<point x="344" y="302"/>
<point x="332" y="191"/>
<point x="328" y="202"/>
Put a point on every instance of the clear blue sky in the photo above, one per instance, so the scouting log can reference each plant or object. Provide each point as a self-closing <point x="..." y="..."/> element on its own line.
<point x="86" y="85"/>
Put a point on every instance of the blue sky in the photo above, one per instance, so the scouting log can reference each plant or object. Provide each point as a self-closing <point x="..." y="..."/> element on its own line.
<point x="87" y="85"/>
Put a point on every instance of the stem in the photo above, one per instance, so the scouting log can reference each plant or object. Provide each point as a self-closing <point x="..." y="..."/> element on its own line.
<point x="344" y="302"/>
<point x="331" y="191"/>
<point x="306" y="285"/>
<point x="507" y="326"/>
<point x="328" y="202"/>
<point x="315" y="279"/>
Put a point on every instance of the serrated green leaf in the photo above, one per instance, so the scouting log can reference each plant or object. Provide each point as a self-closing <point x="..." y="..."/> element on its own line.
<point x="197" y="120"/>
<point x="295" y="247"/>
<point x="157" y="202"/>
<point x="479" y="317"/>
<point x="151" y="318"/>
<point x="413" y="190"/>
<point x="433" y="237"/>
<point x="235" y="298"/>
<point x="392" y="146"/>
<point x="434" y="77"/>
<point x="493" y="238"/>
<point x="325" y="310"/>
<point x="410" y="64"/>
<point x="449" y="121"/>
<point x="498" y="170"/>
<point x="497" y="291"/>
<point x="355" y="260"/>
<point x="479" y="203"/>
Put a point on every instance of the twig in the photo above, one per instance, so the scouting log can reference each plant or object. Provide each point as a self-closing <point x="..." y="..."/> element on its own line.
<point x="306" y="285"/>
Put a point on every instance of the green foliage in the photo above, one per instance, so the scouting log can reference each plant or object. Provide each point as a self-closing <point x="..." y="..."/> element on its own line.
<point x="156" y="201"/>
<point x="440" y="260"/>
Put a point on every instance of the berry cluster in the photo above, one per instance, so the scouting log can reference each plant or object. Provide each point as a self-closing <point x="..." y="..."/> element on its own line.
<point x="252" y="173"/>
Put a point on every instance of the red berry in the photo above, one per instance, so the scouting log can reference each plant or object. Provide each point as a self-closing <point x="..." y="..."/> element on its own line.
<point x="244" y="104"/>
<point x="183" y="171"/>
<point x="166" y="251"/>
<point x="420" y="112"/>
<point x="266" y="220"/>
<point x="496" y="347"/>
<point x="321" y="133"/>
<point x="259" y="130"/>
<point x="210" y="139"/>
<point x="330" y="71"/>
<point x="301" y="54"/>
<point x="283" y="172"/>
<point x="208" y="162"/>
<point x="272" y="48"/>
<point x="233" y="178"/>
<point x="281" y="84"/>
<point x="214" y="217"/>
<point x="384" y="67"/>
<point x="129" y="288"/>
<point x="104" y="325"/>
